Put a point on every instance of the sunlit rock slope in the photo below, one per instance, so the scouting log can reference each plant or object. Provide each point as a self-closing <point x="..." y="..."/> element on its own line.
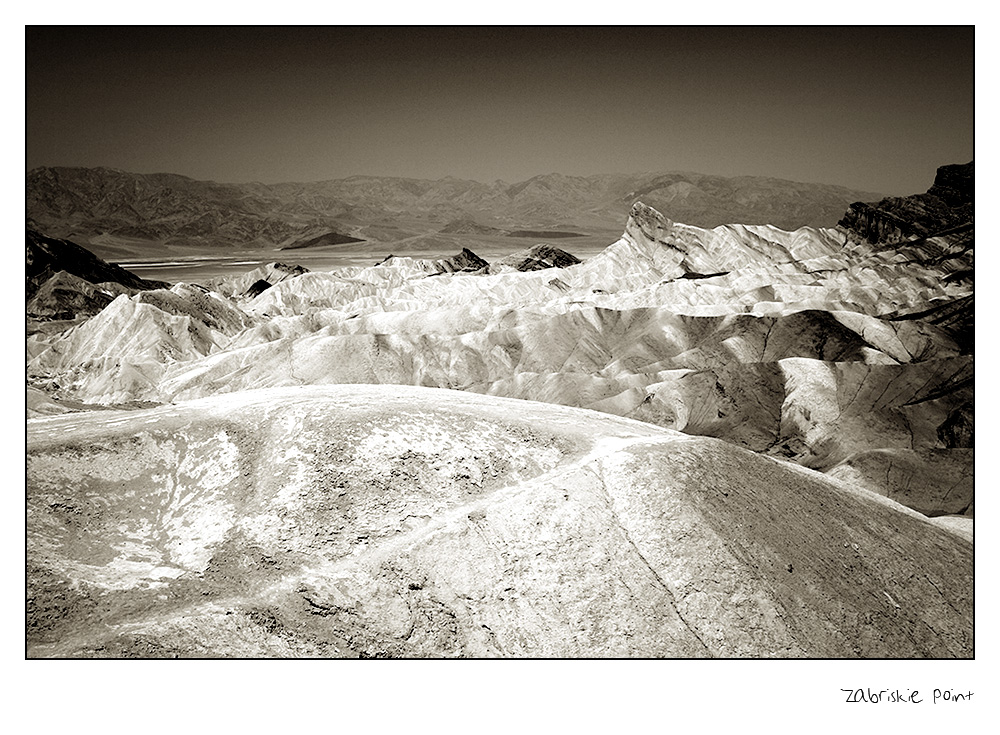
<point x="406" y="521"/>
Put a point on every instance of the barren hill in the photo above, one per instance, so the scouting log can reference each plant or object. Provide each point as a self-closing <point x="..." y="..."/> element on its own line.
<point x="389" y="521"/>
<point x="47" y="256"/>
<point x="66" y="283"/>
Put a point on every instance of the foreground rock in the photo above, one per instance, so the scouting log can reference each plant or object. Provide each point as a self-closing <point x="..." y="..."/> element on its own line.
<point x="392" y="521"/>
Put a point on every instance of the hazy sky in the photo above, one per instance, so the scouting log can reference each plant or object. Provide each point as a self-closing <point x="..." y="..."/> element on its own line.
<point x="875" y="108"/>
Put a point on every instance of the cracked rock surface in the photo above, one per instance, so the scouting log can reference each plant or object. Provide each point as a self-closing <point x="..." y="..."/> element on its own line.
<point x="411" y="522"/>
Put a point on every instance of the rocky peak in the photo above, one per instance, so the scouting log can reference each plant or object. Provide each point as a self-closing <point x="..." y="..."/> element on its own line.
<point x="947" y="204"/>
<point x="646" y="224"/>
<point x="538" y="257"/>
<point x="954" y="184"/>
<point x="466" y="260"/>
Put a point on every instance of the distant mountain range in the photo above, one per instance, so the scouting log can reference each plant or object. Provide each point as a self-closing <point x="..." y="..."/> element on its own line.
<point x="89" y="203"/>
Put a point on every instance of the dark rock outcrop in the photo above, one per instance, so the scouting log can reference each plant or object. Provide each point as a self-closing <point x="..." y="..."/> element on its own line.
<point x="464" y="261"/>
<point x="948" y="204"/>
<point x="954" y="184"/>
<point x="46" y="256"/>
<point x="958" y="430"/>
<point x="539" y="257"/>
<point x="328" y="238"/>
<point x="256" y="288"/>
<point x="65" y="296"/>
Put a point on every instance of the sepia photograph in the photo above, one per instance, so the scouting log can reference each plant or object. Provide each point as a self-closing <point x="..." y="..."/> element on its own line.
<point x="501" y="342"/>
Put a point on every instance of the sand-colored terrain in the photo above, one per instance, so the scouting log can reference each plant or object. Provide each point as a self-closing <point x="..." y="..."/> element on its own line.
<point x="402" y="521"/>
<point x="805" y="344"/>
<point x="739" y="442"/>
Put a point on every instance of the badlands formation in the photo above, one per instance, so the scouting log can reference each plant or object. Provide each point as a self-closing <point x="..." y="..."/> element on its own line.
<point x="735" y="442"/>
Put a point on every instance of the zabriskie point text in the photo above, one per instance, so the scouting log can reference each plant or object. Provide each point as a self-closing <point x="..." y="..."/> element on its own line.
<point x="880" y="696"/>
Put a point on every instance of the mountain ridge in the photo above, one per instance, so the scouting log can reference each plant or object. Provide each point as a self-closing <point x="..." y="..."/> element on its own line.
<point x="86" y="203"/>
